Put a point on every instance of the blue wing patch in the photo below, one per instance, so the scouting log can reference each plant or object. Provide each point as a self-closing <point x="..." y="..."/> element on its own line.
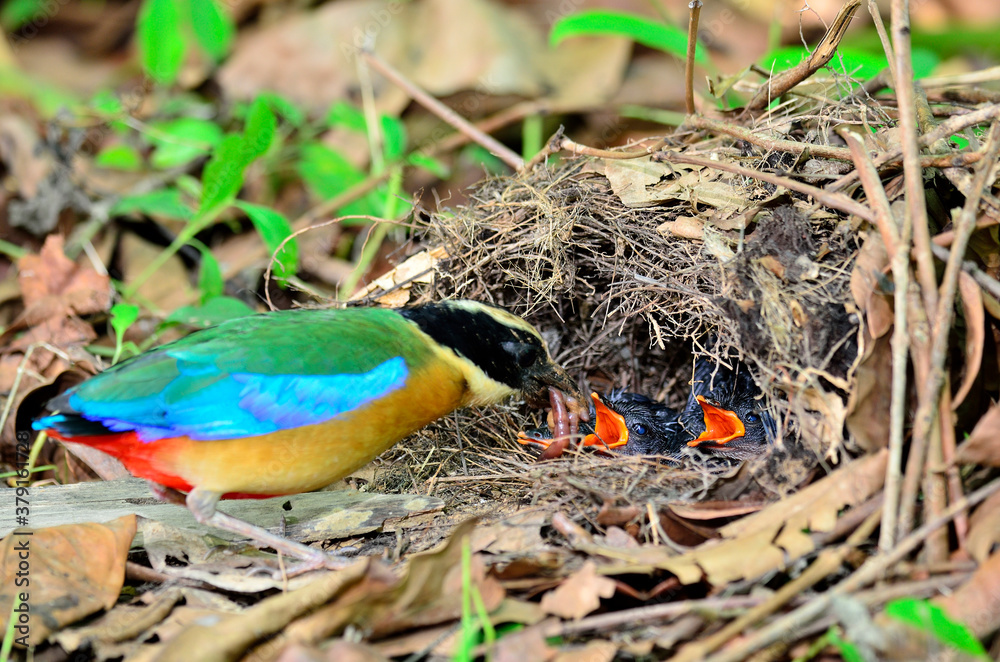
<point x="243" y="404"/>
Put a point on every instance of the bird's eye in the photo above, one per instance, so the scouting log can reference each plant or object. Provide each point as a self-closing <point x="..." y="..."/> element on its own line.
<point x="752" y="416"/>
<point x="525" y="354"/>
<point x="639" y="428"/>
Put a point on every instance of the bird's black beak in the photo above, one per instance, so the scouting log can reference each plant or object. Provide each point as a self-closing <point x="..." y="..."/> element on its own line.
<point x="541" y="376"/>
<point x="721" y="425"/>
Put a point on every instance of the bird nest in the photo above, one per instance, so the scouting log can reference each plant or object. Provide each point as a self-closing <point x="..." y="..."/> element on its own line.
<point x="626" y="297"/>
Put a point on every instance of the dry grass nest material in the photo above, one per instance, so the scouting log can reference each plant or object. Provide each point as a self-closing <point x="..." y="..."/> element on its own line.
<point x="623" y="303"/>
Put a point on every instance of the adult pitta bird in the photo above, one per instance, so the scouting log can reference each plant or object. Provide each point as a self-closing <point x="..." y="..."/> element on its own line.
<point x="290" y="401"/>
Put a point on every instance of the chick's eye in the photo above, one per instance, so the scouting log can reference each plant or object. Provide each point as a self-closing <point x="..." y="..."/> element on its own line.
<point x="639" y="428"/>
<point x="752" y="417"/>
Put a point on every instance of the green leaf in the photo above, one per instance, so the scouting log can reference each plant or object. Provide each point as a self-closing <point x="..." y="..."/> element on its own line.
<point x="344" y="115"/>
<point x="18" y="13"/>
<point x="223" y="174"/>
<point x="210" y="280"/>
<point x="161" y="43"/>
<point x="483" y="158"/>
<point x="274" y="229"/>
<point x="285" y="108"/>
<point x="638" y="28"/>
<point x="165" y="203"/>
<point x="258" y="131"/>
<point x="119" y="157"/>
<point x="327" y="174"/>
<point x="436" y="167"/>
<point x="929" y="617"/>
<point x="847" y="650"/>
<point x="213" y="28"/>
<point x="180" y="141"/>
<point x="107" y="103"/>
<point x="214" y="311"/>
<point x="394" y="136"/>
<point x="123" y="315"/>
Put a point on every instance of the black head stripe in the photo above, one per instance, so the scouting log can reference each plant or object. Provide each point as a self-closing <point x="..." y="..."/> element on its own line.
<point x="501" y="351"/>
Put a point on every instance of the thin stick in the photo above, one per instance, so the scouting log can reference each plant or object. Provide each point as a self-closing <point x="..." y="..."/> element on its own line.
<point x="884" y="38"/>
<point x="827" y="562"/>
<point x="444" y="112"/>
<point x="835" y="200"/>
<point x="913" y="174"/>
<point x="872" y="569"/>
<point x="695" y="12"/>
<point x="983" y="279"/>
<point x="898" y="247"/>
<point x="949" y="127"/>
<point x="928" y="404"/>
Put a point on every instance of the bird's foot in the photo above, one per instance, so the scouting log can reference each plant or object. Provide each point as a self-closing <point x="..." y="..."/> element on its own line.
<point x="202" y="504"/>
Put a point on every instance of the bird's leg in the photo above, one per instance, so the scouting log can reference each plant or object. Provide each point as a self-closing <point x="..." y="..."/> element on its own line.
<point x="202" y="504"/>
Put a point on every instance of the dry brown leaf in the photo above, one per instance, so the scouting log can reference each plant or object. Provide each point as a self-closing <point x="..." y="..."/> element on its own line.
<point x="122" y="623"/>
<point x="521" y="532"/>
<point x="318" y="45"/>
<point x="770" y="539"/>
<point x="338" y="651"/>
<point x="527" y="645"/>
<point x="975" y="334"/>
<point x="593" y="651"/>
<point x="228" y="636"/>
<point x="983" y="445"/>
<point x="977" y="602"/>
<point x="382" y="604"/>
<point x="871" y="262"/>
<point x="709" y="510"/>
<point x="685" y="227"/>
<point x="984" y="529"/>
<point x="772" y="264"/>
<point x="27" y="164"/>
<point x="868" y="403"/>
<point x="579" y="594"/>
<point x="63" y="573"/>
<point x="79" y="289"/>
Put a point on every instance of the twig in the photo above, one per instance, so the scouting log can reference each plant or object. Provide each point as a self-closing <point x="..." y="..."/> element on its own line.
<point x="444" y="112"/>
<point x="827" y="562"/>
<point x="872" y="569"/>
<point x="884" y="38"/>
<point x="835" y="200"/>
<point x="983" y="279"/>
<point x="949" y="127"/>
<point x="898" y="247"/>
<point x="913" y="174"/>
<point x="927" y="407"/>
<point x="695" y="12"/>
<point x="791" y="146"/>
<point x="824" y="52"/>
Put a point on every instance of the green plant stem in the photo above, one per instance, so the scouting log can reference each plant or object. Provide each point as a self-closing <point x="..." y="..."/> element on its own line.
<point x="531" y="136"/>
<point x="8" y="637"/>
<point x="375" y="237"/>
<point x="13" y="251"/>
<point x="189" y="232"/>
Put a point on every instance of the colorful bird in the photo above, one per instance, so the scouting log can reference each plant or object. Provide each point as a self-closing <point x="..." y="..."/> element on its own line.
<point x="724" y="413"/>
<point x="291" y="401"/>
<point x="623" y="422"/>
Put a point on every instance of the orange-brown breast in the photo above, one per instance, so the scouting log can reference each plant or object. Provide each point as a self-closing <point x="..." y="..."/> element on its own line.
<point x="306" y="458"/>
